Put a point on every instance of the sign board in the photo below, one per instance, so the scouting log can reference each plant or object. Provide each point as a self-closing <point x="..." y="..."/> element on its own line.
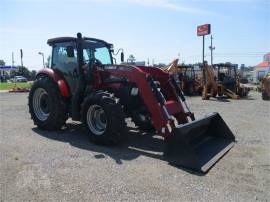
<point x="7" y="67"/>
<point x="203" y="30"/>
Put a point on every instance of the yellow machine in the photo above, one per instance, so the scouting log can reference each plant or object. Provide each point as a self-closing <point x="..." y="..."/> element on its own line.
<point x="266" y="87"/>
<point x="210" y="85"/>
<point x="226" y="83"/>
<point x="189" y="82"/>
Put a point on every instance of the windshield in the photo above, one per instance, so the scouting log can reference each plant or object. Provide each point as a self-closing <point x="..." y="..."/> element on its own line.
<point x="228" y="71"/>
<point x="96" y="50"/>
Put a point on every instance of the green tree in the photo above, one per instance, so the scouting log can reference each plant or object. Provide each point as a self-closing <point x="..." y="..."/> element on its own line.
<point x="33" y="75"/>
<point x="131" y="59"/>
<point x="21" y="71"/>
<point x="48" y="63"/>
<point x="2" y="63"/>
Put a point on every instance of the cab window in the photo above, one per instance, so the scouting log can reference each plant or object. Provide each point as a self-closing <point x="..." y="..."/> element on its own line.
<point x="60" y="58"/>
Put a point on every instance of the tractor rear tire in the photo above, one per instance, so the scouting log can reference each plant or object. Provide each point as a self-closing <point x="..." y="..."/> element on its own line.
<point x="104" y="118"/>
<point x="47" y="107"/>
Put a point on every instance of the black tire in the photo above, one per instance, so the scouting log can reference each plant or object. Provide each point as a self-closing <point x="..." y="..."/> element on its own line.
<point x="143" y="124"/>
<point x="56" y="105"/>
<point x="205" y="95"/>
<point x="189" y="89"/>
<point x="265" y="96"/>
<point x="213" y="92"/>
<point x="115" y="127"/>
<point x="220" y="94"/>
<point x="219" y="91"/>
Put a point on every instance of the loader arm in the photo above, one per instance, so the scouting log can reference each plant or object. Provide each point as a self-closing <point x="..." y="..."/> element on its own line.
<point x="162" y="106"/>
<point x="197" y="144"/>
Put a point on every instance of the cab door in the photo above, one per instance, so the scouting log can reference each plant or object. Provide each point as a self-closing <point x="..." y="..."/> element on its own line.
<point x="66" y="65"/>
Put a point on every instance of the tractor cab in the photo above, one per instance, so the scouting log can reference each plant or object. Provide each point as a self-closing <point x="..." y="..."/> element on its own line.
<point x="227" y="75"/>
<point x="67" y="62"/>
<point x="190" y="83"/>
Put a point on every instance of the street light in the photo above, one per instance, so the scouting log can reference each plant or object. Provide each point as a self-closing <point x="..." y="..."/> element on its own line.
<point x="42" y="54"/>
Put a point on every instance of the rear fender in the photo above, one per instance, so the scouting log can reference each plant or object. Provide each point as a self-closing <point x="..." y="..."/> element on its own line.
<point x="62" y="85"/>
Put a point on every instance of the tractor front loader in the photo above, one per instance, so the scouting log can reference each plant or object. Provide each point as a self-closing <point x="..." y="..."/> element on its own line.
<point x="83" y="83"/>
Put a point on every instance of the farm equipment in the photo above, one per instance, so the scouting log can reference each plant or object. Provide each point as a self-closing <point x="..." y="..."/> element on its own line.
<point x="185" y="75"/>
<point x="210" y="85"/>
<point x="225" y="83"/>
<point x="84" y="83"/>
<point x="266" y="87"/>
<point x="229" y="82"/>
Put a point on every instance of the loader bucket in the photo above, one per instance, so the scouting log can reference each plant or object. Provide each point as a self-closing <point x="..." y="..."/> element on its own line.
<point x="199" y="144"/>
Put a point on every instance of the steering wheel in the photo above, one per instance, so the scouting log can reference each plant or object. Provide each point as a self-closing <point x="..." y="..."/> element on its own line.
<point x="93" y="61"/>
<point x="90" y="64"/>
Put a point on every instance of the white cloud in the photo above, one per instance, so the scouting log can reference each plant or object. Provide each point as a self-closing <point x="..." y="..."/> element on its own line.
<point x="166" y="4"/>
<point x="173" y="5"/>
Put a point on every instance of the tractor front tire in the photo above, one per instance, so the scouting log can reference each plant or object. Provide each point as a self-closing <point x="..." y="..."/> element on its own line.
<point x="47" y="107"/>
<point x="142" y="121"/>
<point x="104" y="118"/>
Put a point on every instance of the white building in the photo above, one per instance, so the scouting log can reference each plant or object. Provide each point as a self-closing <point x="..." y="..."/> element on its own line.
<point x="262" y="68"/>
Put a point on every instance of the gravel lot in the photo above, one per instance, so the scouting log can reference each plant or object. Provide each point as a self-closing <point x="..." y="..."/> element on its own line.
<point x="65" y="166"/>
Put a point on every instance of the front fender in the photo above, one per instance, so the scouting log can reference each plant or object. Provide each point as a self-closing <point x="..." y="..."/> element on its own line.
<point x="62" y="85"/>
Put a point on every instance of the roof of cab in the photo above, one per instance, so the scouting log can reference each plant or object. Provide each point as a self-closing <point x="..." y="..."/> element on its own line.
<point x="60" y="39"/>
<point x="65" y="39"/>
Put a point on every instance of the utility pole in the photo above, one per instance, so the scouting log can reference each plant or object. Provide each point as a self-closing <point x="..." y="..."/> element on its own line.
<point x="203" y="51"/>
<point x="148" y="63"/>
<point x="42" y="54"/>
<point x="12" y="56"/>
<point x="211" y="49"/>
<point x="21" y="57"/>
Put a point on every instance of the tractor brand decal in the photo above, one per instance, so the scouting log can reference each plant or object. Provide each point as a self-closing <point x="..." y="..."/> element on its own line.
<point x="118" y="67"/>
<point x="110" y="67"/>
<point x="125" y="68"/>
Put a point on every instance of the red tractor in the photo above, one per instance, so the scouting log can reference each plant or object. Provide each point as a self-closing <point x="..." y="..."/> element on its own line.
<point x="84" y="83"/>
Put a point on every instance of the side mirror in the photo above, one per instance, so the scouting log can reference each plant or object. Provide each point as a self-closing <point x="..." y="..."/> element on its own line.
<point x="70" y="51"/>
<point x="122" y="57"/>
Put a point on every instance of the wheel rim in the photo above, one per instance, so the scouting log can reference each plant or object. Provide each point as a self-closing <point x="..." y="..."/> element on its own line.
<point x="96" y="119"/>
<point x="41" y="104"/>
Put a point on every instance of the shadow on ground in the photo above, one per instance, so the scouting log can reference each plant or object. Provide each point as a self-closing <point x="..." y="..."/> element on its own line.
<point x="221" y="99"/>
<point x="135" y="144"/>
<point x="227" y="99"/>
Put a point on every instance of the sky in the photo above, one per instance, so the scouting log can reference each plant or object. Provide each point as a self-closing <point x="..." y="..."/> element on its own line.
<point x="160" y="30"/>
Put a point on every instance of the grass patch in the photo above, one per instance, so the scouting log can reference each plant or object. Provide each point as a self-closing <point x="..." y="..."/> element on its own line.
<point x="8" y="86"/>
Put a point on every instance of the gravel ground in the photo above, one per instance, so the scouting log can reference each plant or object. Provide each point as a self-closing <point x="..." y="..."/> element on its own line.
<point x="65" y="166"/>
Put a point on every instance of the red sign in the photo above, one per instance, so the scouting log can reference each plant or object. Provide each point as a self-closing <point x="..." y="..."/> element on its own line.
<point x="203" y="30"/>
